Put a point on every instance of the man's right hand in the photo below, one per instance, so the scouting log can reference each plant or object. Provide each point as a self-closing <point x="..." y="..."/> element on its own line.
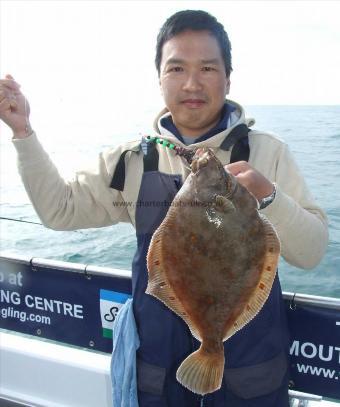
<point x="14" y="108"/>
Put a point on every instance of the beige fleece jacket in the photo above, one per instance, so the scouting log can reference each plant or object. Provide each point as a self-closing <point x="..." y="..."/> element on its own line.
<point x="88" y="201"/>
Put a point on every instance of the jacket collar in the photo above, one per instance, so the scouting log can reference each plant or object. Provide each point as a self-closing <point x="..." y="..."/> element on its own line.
<point x="236" y="117"/>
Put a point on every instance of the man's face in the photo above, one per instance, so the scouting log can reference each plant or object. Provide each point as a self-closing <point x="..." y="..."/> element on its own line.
<point x="193" y="81"/>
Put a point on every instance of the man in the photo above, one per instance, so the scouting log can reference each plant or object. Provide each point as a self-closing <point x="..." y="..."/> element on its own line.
<point x="194" y="65"/>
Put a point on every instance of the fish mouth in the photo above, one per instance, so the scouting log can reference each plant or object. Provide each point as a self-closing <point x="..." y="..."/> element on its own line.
<point x="202" y="158"/>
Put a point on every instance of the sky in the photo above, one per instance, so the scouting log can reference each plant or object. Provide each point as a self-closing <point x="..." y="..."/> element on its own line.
<point x="76" y="59"/>
<point x="284" y="52"/>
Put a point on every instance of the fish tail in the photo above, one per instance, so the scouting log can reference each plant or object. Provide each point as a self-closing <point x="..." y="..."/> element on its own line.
<point x="202" y="371"/>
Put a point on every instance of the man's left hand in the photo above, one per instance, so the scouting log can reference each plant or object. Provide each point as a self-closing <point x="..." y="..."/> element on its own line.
<point x="251" y="179"/>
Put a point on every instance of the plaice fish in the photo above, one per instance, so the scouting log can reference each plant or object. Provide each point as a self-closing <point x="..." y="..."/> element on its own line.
<point x="212" y="261"/>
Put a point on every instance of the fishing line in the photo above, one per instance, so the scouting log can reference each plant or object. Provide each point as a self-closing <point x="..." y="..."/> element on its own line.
<point x="188" y="154"/>
<point x="36" y="223"/>
<point x="20" y="220"/>
<point x="28" y="128"/>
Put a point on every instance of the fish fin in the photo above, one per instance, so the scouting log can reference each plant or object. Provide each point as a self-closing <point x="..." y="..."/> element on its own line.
<point x="159" y="287"/>
<point x="154" y="257"/>
<point x="264" y="286"/>
<point x="202" y="371"/>
<point x="222" y="204"/>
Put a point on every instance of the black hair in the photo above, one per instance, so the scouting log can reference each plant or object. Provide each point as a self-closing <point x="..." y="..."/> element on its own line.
<point x="196" y="20"/>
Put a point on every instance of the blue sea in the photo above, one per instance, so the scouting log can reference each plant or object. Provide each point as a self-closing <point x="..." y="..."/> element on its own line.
<point x="312" y="132"/>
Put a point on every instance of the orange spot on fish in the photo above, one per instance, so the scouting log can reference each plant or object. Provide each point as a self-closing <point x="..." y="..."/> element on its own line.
<point x="157" y="263"/>
<point x="262" y="286"/>
<point x="193" y="238"/>
<point x="210" y="300"/>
